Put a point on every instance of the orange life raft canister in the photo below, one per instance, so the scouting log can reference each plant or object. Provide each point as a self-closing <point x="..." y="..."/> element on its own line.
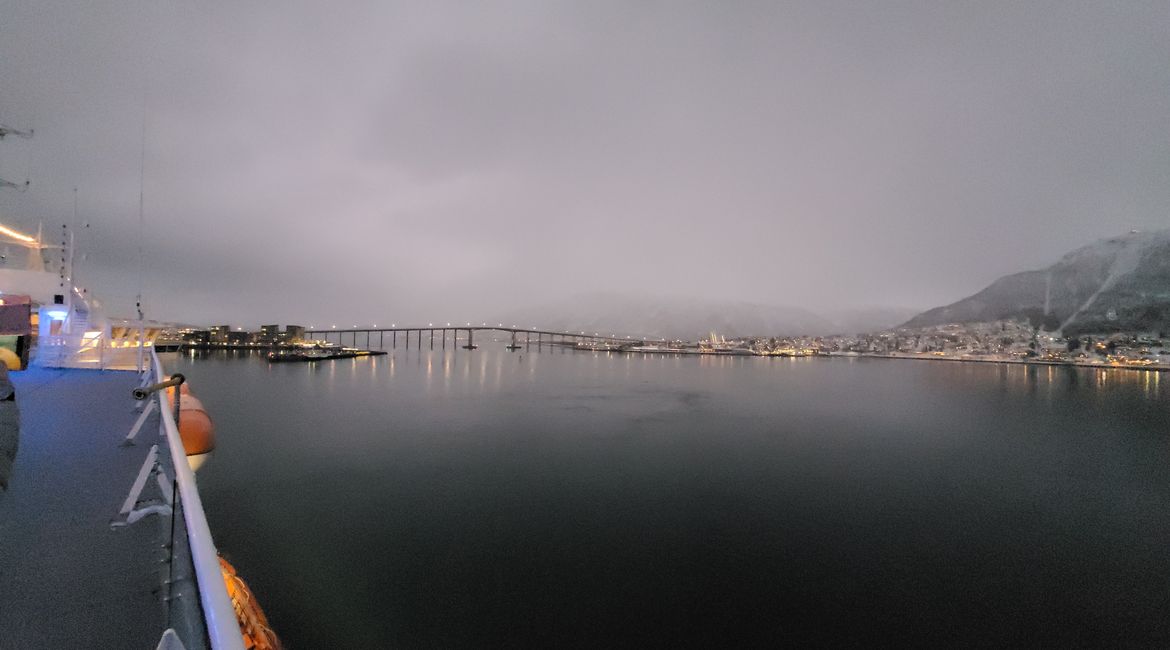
<point x="258" y="635"/>
<point x="195" y="427"/>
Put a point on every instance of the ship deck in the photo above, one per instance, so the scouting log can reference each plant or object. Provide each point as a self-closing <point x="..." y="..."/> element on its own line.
<point x="67" y="580"/>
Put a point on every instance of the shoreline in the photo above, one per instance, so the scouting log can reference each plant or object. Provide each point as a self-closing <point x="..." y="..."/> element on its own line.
<point x="841" y="355"/>
<point x="1016" y="362"/>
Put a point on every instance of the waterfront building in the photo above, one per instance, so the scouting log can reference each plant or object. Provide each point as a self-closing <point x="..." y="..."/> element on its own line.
<point x="294" y="332"/>
<point x="239" y="337"/>
<point x="269" y="333"/>
<point x="219" y="333"/>
<point x="191" y="335"/>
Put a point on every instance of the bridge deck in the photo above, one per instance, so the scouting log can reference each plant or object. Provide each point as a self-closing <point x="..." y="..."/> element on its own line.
<point x="565" y="336"/>
<point x="66" y="579"/>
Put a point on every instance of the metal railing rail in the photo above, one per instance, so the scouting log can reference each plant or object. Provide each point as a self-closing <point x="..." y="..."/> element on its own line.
<point x="223" y="630"/>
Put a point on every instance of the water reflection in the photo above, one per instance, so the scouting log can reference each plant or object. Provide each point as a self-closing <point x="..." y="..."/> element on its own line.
<point x="1045" y="381"/>
<point x="534" y="496"/>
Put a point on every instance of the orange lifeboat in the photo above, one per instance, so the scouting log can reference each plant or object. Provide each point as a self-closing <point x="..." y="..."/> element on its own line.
<point x="195" y="427"/>
<point x="258" y="635"/>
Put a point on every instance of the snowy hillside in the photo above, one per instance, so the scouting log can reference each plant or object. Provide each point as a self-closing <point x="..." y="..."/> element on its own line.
<point x="1115" y="284"/>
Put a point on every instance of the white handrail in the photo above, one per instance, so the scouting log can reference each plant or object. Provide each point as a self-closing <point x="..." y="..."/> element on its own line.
<point x="220" y="617"/>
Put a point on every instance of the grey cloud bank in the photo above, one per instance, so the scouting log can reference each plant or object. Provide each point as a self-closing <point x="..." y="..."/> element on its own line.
<point x="381" y="161"/>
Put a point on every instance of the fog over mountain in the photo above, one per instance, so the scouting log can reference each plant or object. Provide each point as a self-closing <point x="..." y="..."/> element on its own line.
<point x="692" y="318"/>
<point x="1115" y="284"/>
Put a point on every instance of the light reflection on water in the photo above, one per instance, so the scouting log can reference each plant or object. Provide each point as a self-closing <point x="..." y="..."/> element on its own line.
<point x="593" y="498"/>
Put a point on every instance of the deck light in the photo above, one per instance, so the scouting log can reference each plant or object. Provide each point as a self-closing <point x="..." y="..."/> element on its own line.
<point x="17" y="236"/>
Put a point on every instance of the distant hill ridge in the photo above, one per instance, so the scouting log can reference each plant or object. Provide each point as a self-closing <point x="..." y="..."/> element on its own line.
<point x="694" y="318"/>
<point x="1116" y="284"/>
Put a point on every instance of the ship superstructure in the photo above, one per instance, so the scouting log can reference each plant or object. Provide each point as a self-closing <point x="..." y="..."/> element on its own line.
<point x="67" y="327"/>
<point x="78" y="570"/>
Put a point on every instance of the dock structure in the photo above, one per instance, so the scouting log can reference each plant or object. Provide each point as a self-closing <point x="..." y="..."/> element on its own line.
<point x="350" y="335"/>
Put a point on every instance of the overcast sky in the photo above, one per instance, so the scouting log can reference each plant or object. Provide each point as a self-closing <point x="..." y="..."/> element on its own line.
<point x="369" y="162"/>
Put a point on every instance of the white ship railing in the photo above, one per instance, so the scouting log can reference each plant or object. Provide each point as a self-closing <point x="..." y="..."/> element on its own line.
<point x="223" y="630"/>
<point x="87" y="351"/>
<point x="110" y="345"/>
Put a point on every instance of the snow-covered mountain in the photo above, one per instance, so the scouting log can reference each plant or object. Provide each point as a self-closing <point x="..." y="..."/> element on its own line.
<point x="1116" y="284"/>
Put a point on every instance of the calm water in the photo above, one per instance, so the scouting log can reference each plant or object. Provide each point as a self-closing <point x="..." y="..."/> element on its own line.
<point x="488" y="498"/>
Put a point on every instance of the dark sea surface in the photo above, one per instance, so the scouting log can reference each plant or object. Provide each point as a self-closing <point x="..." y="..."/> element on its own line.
<point x="558" y="498"/>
